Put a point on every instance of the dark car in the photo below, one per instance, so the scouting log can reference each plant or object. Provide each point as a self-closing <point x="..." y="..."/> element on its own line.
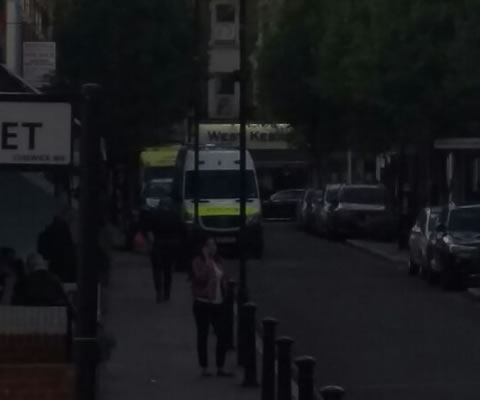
<point x="307" y="207"/>
<point x="361" y="211"/>
<point x="457" y="247"/>
<point x="324" y="209"/>
<point x="421" y="242"/>
<point x="283" y="204"/>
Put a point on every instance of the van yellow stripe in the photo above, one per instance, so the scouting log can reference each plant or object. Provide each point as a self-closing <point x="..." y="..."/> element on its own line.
<point x="211" y="210"/>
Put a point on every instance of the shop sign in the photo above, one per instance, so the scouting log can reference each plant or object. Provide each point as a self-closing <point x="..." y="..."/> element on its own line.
<point x="35" y="133"/>
<point x="259" y="136"/>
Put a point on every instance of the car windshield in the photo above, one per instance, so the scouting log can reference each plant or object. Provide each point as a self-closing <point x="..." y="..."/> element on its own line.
<point x="219" y="184"/>
<point x="464" y="220"/>
<point x="289" y="195"/>
<point x="331" y="195"/>
<point x="362" y="195"/>
<point x="158" y="189"/>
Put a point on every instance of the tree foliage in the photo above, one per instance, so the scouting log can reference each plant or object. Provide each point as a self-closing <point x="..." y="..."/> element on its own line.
<point x="371" y="74"/>
<point x="139" y="51"/>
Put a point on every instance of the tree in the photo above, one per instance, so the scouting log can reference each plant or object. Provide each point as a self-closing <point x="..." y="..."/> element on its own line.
<point x="139" y="51"/>
<point x="373" y="73"/>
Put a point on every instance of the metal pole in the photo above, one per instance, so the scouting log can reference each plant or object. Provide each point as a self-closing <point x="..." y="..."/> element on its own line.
<point x="332" y="392"/>
<point x="230" y="315"/>
<point x="242" y="293"/>
<point x="86" y="346"/>
<point x="284" y="374"/>
<point x="196" y="118"/>
<point x="268" y="359"/>
<point x="250" y="360"/>
<point x="306" y="386"/>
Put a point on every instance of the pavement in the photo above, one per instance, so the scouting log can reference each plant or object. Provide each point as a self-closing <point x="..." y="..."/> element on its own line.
<point x="155" y="353"/>
<point x="373" y="329"/>
<point x="387" y="250"/>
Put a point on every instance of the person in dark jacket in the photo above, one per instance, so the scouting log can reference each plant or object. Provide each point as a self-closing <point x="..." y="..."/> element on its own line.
<point x="56" y="246"/>
<point x="40" y="287"/>
<point x="9" y="277"/>
<point x="166" y="233"/>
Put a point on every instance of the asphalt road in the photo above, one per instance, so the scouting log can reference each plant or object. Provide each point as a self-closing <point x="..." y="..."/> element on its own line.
<point x="372" y="329"/>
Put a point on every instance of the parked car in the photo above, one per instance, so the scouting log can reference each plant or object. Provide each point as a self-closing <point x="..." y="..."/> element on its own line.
<point x="421" y="242"/>
<point x="324" y="209"/>
<point x="361" y="211"/>
<point x="306" y="209"/>
<point x="283" y="204"/>
<point x="457" y="246"/>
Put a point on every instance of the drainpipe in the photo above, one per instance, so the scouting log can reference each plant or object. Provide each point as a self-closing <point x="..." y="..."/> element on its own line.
<point x="14" y="36"/>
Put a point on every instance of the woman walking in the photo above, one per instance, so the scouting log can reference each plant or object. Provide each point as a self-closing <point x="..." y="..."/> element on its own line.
<point x="208" y="283"/>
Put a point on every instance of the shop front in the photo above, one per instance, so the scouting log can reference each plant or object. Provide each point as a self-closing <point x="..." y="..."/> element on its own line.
<point x="279" y="163"/>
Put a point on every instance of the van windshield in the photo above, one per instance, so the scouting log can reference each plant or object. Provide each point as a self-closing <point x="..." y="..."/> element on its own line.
<point x="219" y="184"/>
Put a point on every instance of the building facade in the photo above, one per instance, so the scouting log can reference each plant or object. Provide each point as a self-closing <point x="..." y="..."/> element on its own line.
<point x="279" y="163"/>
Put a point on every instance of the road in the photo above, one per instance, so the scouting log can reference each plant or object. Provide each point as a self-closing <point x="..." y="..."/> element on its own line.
<point x="372" y="329"/>
<point x="25" y="209"/>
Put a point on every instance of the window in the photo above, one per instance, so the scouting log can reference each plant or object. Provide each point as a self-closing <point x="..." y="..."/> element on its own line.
<point x="363" y="195"/>
<point x="219" y="184"/>
<point x="465" y="220"/>
<point x="225" y="13"/>
<point x="225" y="84"/>
<point x="289" y="195"/>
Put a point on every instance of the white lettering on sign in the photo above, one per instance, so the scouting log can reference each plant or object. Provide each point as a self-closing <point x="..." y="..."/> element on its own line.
<point x="35" y="133"/>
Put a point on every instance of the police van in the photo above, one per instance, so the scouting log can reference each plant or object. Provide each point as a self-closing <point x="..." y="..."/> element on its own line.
<point x="218" y="190"/>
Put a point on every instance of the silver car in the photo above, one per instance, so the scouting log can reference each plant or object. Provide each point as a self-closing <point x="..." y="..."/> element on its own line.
<point x="306" y="209"/>
<point x="421" y="242"/>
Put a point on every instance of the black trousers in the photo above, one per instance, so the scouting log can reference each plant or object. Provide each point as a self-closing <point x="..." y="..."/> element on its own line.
<point x="206" y="315"/>
<point x="163" y="258"/>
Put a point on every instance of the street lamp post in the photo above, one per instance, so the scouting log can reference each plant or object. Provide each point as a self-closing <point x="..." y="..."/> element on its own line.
<point x="86" y="345"/>
<point x="243" y="290"/>
<point x="196" y="117"/>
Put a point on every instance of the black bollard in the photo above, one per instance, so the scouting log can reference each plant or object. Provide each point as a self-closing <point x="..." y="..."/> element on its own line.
<point x="250" y="354"/>
<point x="268" y="362"/>
<point x="332" y="393"/>
<point x="284" y="384"/>
<point x="230" y="315"/>
<point x="306" y="366"/>
<point x="241" y="335"/>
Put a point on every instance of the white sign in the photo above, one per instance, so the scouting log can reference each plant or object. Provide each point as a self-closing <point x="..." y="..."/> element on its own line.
<point x="259" y="136"/>
<point x="35" y="133"/>
<point x="39" y="61"/>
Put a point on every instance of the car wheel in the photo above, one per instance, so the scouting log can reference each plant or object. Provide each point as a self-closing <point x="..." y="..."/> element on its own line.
<point x="413" y="268"/>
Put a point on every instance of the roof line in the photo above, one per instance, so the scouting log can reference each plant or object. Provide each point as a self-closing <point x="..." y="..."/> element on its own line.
<point x="23" y="81"/>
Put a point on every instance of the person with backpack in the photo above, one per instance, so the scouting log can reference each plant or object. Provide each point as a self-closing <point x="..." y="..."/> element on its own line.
<point x="166" y="235"/>
<point x="55" y="244"/>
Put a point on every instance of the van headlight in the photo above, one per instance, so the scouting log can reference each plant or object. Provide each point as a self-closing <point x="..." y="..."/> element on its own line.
<point x="254" y="219"/>
<point x="188" y="217"/>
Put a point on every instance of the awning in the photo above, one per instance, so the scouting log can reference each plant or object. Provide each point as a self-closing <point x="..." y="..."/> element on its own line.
<point x="280" y="158"/>
<point x="10" y="82"/>
<point x="457" y="144"/>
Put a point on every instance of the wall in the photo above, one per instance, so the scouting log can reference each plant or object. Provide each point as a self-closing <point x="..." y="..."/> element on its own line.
<point x="38" y="382"/>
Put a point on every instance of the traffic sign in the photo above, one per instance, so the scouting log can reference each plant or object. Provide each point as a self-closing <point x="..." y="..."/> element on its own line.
<point x="35" y="133"/>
